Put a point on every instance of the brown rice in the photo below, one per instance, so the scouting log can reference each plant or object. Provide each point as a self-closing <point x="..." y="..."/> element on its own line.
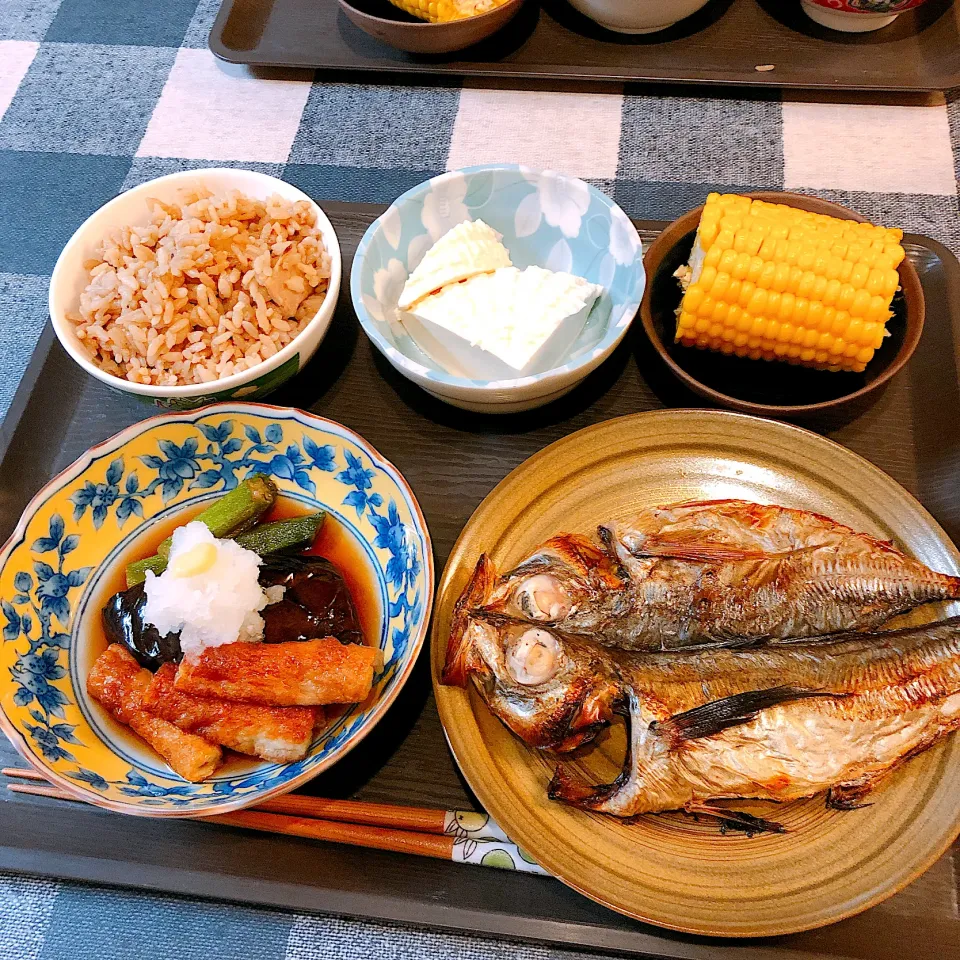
<point x="211" y="287"/>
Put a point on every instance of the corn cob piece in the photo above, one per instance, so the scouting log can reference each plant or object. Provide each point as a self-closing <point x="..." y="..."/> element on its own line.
<point x="443" y="11"/>
<point x="773" y="282"/>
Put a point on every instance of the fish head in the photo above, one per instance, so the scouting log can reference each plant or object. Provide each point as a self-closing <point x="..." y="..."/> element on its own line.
<point x="552" y="690"/>
<point x="562" y="577"/>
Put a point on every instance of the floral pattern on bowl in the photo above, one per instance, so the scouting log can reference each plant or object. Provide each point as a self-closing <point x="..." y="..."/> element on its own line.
<point x="868" y="6"/>
<point x="546" y="218"/>
<point x="72" y="533"/>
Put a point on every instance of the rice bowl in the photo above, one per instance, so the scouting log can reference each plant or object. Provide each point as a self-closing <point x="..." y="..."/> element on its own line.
<point x="229" y="299"/>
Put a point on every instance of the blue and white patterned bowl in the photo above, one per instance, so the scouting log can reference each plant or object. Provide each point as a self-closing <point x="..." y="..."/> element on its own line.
<point x="59" y="566"/>
<point x="547" y="219"/>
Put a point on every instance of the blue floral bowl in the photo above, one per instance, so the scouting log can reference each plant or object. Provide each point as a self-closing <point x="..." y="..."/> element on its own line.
<point x="62" y="562"/>
<point x="547" y="219"/>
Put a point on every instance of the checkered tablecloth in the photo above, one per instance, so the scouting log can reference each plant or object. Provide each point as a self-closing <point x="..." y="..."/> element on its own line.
<point x="97" y="95"/>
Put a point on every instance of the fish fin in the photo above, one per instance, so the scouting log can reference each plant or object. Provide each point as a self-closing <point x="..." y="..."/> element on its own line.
<point x="474" y="593"/>
<point x="734" y="819"/>
<point x="497" y="619"/>
<point x="573" y="790"/>
<point x="718" y="715"/>
<point x="850" y="796"/>
<point x="607" y="538"/>
<point x="697" y="548"/>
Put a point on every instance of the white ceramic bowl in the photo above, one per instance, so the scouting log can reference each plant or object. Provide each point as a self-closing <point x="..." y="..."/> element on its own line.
<point x="130" y="208"/>
<point x="546" y="218"/>
<point x="637" y="16"/>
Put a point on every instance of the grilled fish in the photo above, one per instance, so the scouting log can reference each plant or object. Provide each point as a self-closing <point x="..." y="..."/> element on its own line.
<point x="724" y="572"/>
<point x="774" y="723"/>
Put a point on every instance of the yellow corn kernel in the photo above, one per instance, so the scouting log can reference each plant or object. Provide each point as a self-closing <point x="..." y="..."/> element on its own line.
<point x="442" y="11"/>
<point x="780" y="282"/>
<point x="861" y="303"/>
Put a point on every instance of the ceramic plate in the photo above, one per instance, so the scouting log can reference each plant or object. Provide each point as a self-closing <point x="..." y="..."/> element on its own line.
<point x="62" y="561"/>
<point x="668" y="869"/>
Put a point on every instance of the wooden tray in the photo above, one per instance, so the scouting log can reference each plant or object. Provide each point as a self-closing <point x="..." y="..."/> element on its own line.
<point x="724" y="43"/>
<point x="453" y="459"/>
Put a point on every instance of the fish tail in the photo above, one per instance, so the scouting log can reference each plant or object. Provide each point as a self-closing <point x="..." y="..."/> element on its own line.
<point x="738" y="820"/>
<point x="475" y="593"/>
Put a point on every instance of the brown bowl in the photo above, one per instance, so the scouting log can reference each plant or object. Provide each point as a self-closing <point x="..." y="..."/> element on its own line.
<point x="763" y="387"/>
<point x="387" y="23"/>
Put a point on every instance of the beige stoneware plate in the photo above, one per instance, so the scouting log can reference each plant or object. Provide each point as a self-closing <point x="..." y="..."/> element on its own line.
<point x="668" y="869"/>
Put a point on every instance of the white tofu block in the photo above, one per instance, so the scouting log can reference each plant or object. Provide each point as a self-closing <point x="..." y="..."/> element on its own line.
<point x="469" y="248"/>
<point x="502" y="325"/>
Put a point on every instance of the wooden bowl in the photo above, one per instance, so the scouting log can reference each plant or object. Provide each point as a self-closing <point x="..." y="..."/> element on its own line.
<point x="380" y="19"/>
<point x="765" y="388"/>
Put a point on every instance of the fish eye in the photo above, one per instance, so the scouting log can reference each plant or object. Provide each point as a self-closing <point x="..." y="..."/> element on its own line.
<point x="534" y="657"/>
<point x="542" y="598"/>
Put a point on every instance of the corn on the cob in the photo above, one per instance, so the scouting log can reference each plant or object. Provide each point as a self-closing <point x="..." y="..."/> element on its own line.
<point x="779" y="283"/>
<point x="443" y="11"/>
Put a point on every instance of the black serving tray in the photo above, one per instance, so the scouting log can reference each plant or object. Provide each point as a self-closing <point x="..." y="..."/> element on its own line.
<point x="453" y="459"/>
<point x="724" y="43"/>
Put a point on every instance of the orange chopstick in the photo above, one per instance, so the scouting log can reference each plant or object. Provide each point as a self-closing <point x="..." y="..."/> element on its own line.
<point x="357" y="835"/>
<point x="411" y="830"/>
<point x="420" y="819"/>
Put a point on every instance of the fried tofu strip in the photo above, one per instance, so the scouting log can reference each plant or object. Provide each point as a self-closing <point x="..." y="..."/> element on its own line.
<point x="295" y="673"/>
<point x="118" y="682"/>
<point x="278" y="734"/>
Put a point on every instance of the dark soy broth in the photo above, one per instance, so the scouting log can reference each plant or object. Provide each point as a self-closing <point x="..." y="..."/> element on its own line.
<point x="334" y="542"/>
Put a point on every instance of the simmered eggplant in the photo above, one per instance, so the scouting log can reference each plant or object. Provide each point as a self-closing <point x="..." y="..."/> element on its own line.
<point x="123" y="623"/>
<point x="316" y="603"/>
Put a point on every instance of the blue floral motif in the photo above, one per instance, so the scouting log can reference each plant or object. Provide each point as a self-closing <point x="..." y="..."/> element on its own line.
<point x="356" y="475"/>
<point x="44" y="603"/>
<point x="216" y="466"/>
<point x="137" y="785"/>
<point x="91" y="778"/>
<point x="402" y="568"/>
<point x="37" y="613"/>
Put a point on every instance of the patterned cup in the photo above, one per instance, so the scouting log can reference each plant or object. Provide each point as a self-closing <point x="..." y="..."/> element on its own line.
<point x="856" y="16"/>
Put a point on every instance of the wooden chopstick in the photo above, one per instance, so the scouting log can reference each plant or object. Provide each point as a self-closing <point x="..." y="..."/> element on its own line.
<point x="419" y="819"/>
<point x="411" y="830"/>
<point x="357" y="835"/>
<point x="23" y="773"/>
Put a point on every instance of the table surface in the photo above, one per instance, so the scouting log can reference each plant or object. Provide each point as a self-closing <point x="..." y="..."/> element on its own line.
<point x="96" y="97"/>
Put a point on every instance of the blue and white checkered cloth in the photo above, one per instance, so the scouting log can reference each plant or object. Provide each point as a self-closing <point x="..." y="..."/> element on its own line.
<point x="97" y="95"/>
